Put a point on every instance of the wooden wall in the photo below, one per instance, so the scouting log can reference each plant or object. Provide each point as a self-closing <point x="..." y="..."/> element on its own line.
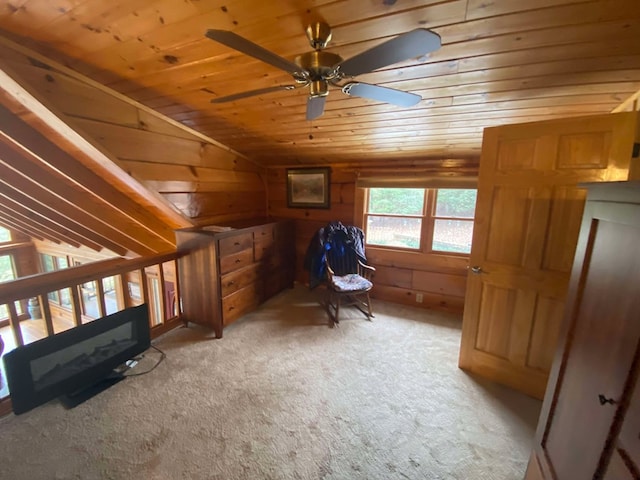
<point x="400" y="276"/>
<point x="206" y="181"/>
<point x="24" y="254"/>
<point x="308" y="221"/>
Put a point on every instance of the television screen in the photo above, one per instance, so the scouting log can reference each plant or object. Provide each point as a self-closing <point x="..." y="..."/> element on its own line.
<point x="71" y="361"/>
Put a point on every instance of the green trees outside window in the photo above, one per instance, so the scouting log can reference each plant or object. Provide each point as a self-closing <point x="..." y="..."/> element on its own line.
<point x="434" y="220"/>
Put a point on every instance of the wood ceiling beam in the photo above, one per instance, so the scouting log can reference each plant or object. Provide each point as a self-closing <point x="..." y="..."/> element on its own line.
<point x="124" y="192"/>
<point x="25" y="230"/>
<point x="29" y="228"/>
<point x="46" y="223"/>
<point x="57" y="234"/>
<point x="62" y="173"/>
<point x="77" y="202"/>
<point x="51" y="205"/>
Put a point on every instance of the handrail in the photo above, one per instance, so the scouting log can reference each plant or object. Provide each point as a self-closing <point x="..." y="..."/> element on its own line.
<point x="42" y="283"/>
<point x="72" y="278"/>
<point x="38" y="286"/>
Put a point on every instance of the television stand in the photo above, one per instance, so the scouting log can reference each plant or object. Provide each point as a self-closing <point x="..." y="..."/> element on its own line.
<point x="74" y="399"/>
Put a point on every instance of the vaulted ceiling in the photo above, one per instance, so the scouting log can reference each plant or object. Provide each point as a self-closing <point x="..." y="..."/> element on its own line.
<point x="500" y="62"/>
<point x="60" y="186"/>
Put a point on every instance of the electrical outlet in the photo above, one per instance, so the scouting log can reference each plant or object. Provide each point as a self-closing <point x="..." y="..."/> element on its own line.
<point x="419" y="297"/>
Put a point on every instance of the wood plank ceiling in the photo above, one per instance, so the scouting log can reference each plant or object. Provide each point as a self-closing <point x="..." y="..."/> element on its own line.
<point x="500" y="62"/>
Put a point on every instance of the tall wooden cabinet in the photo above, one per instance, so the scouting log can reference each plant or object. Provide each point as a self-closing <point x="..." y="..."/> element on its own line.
<point x="227" y="271"/>
<point x="590" y="421"/>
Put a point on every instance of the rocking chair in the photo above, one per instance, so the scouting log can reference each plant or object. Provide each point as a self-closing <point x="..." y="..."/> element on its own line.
<point x="348" y="278"/>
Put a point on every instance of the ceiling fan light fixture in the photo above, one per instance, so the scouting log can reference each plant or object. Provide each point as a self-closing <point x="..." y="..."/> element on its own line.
<point x="318" y="88"/>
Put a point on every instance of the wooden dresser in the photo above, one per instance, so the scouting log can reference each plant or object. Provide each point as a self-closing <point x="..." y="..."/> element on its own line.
<point x="589" y="426"/>
<point x="227" y="271"/>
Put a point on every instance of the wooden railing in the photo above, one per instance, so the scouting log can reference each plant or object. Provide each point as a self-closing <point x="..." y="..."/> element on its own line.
<point x="135" y="281"/>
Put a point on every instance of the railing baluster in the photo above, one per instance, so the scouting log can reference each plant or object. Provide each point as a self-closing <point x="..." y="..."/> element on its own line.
<point x="74" y="277"/>
<point x="102" y="308"/>
<point x="144" y="286"/>
<point x="163" y="301"/>
<point x="176" y="294"/>
<point x="15" y="324"/>
<point x="76" y="306"/>
<point x="119" y="284"/>
<point x="46" y="313"/>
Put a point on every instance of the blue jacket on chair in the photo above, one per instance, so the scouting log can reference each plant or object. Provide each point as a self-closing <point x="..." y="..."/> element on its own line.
<point x="344" y="245"/>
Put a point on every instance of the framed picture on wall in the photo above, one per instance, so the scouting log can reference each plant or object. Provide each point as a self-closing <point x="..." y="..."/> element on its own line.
<point x="308" y="188"/>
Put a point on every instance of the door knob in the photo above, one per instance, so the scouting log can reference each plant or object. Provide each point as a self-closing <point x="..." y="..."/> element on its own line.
<point x="476" y="269"/>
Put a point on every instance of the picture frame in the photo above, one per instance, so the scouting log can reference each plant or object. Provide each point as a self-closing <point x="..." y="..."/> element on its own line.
<point x="308" y="187"/>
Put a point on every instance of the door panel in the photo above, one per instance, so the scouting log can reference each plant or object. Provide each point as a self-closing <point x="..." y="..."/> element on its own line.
<point x="510" y="206"/>
<point x="498" y="305"/>
<point x="545" y="330"/>
<point x="584" y="150"/>
<point x="526" y="227"/>
<point x="567" y="206"/>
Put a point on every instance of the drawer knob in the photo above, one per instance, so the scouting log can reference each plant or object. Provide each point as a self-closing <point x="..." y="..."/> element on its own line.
<point x="231" y="283"/>
<point x="236" y="243"/>
<point x="604" y="400"/>
<point x="231" y="308"/>
<point x="238" y="260"/>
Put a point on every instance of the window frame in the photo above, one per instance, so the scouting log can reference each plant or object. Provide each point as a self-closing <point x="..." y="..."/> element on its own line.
<point x="7" y="242"/>
<point x="428" y="218"/>
<point x="4" y="320"/>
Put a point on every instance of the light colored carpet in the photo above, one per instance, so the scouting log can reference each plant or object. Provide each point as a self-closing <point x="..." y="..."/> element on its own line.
<point x="282" y="396"/>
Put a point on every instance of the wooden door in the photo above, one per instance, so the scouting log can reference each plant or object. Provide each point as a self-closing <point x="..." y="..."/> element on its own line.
<point x="527" y="222"/>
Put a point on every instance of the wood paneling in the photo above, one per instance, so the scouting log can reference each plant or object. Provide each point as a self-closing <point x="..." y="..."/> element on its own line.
<point x="204" y="180"/>
<point x="499" y="62"/>
<point x="399" y="276"/>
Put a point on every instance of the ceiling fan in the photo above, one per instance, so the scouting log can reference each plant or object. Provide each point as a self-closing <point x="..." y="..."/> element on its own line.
<point x="318" y="69"/>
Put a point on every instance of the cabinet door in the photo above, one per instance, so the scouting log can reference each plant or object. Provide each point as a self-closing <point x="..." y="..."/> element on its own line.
<point x="594" y="378"/>
<point x="628" y="444"/>
<point x="526" y="227"/>
<point x="618" y="470"/>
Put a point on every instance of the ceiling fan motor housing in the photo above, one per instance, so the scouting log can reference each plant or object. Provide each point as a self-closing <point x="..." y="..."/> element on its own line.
<point x="319" y="64"/>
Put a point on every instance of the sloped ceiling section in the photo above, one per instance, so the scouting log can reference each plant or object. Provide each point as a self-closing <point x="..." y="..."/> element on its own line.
<point x="501" y="61"/>
<point x="55" y="185"/>
<point x="206" y="181"/>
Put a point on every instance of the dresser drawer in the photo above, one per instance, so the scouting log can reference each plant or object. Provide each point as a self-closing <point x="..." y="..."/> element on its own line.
<point x="264" y="232"/>
<point x="239" y="303"/>
<point x="235" y="243"/>
<point x="263" y="248"/>
<point x="231" y="282"/>
<point x="236" y="261"/>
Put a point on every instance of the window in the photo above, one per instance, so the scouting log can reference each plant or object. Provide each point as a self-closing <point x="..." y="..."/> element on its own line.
<point x="51" y="264"/>
<point x="5" y="235"/>
<point x="420" y="219"/>
<point x="453" y="220"/>
<point x="7" y="273"/>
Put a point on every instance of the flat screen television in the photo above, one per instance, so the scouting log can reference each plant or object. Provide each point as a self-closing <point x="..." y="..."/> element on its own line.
<point x="76" y="364"/>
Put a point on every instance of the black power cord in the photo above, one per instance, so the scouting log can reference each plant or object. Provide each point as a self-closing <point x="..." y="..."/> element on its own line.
<point x="162" y="357"/>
